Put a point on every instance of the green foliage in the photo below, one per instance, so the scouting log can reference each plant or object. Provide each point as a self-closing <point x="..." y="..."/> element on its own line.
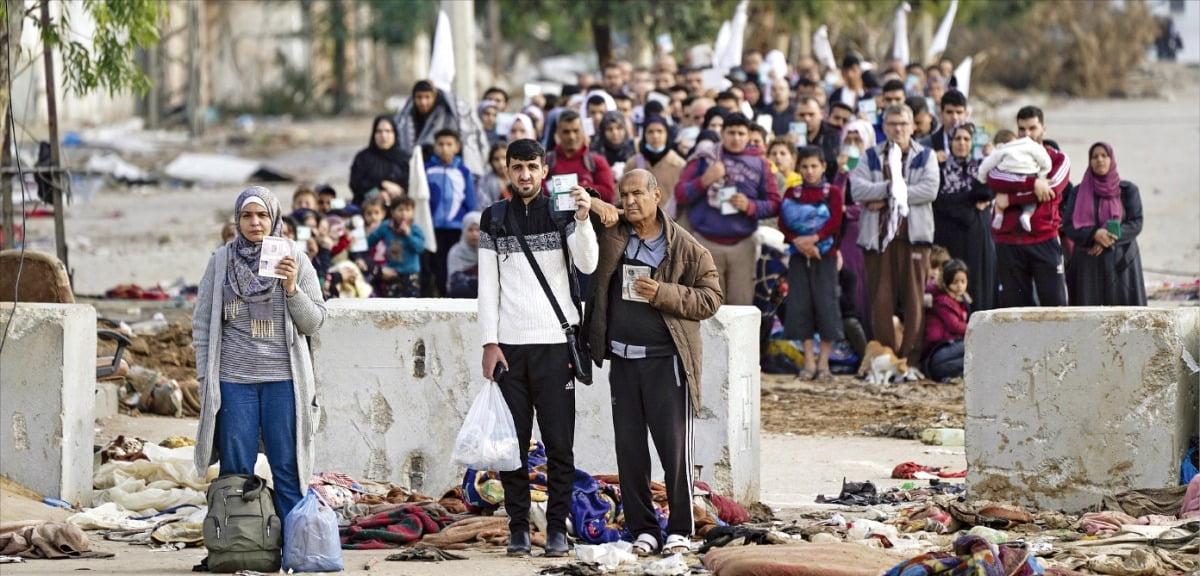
<point x="397" y="22"/>
<point x="121" y="27"/>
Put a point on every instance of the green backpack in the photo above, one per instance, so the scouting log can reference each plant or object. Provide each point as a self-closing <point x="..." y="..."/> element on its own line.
<point x="242" y="531"/>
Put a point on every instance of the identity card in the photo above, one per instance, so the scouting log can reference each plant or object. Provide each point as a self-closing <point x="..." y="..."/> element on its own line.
<point x="274" y="248"/>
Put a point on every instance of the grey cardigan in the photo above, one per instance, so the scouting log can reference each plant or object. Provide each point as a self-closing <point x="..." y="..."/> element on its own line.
<point x="306" y="314"/>
<point x="923" y="177"/>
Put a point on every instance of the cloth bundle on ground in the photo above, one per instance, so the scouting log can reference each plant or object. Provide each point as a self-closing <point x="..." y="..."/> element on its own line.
<point x="403" y="525"/>
<point x="475" y="531"/>
<point x="801" y="559"/>
<point x="972" y="556"/>
<point x="1148" y="501"/>
<point x="335" y="489"/>
<point x="912" y="470"/>
<point x="48" y="540"/>
<point x="853" y="494"/>
<point x="155" y="393"/>
<point x="806" y="220"/>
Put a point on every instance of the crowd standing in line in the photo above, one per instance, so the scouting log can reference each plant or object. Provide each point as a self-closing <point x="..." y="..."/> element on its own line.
<point x="900" y="217"/>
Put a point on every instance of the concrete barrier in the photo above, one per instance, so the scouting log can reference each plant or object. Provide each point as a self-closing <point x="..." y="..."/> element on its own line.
<point x="1066" y="405"/>
<point x="396" y="378"/>
<point x="47" y="385"/>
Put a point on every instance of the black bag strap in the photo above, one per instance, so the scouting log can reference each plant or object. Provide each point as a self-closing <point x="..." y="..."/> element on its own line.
<point x="537" y="271"/>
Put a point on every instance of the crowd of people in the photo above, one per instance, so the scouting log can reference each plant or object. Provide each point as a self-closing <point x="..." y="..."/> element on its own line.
<point x="808" y="151"/>
<point x="642" y="202"/>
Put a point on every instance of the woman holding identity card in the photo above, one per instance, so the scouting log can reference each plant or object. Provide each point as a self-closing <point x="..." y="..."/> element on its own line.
<point x="258" y="303"/>
<point x="1104" y="218"/>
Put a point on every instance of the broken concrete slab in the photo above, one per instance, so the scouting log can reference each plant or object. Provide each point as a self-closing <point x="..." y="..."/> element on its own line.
<point x="1065" y="405"/>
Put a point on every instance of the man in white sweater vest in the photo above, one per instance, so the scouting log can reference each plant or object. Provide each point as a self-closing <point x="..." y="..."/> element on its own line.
<point x="521" y="331"/>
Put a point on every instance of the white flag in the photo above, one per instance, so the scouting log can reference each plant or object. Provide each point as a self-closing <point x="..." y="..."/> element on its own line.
<point x="822" y="49"/>
<point x="441" y="65"/>
<point x="900" y="27"/>
<point x="962" y="76"/>
<point x="418" y="190"/>
<point x="727" y="52"/>
<point x="942" y="37"/>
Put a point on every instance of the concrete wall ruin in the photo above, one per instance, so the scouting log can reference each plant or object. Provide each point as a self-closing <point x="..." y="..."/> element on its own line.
<point x="396" y="378"/>
<point x="1066" y="405"/>
<point x="47" y="366"/>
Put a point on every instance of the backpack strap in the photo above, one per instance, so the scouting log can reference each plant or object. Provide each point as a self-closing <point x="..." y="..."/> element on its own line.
<point x="499" y="213"/>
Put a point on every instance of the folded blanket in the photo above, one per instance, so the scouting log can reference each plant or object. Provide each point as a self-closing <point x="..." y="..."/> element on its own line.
<point x="398" y="527"/>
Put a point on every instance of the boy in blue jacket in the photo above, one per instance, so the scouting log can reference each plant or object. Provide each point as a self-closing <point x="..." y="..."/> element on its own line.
<point x="451" y="196"/>
<point x="400" y="276"/>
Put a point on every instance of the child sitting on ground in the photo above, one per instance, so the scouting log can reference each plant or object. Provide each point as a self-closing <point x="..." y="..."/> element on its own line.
<point x="1020" y="157"/>
<point x="463" y="262"/>
<point x="938" y="257"/>
<point x="946" y="324"/>
<point x="348" y="282"/>
<point x="400" y="277"/>
<point x="305" y="198"/>
<point x="812" y="306"/>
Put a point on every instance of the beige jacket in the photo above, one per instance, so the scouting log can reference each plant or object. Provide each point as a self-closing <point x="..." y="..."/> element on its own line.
<point x="689" y="291"/>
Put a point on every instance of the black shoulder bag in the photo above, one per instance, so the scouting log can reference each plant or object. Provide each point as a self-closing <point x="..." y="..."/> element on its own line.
<point x="581" y="358"/>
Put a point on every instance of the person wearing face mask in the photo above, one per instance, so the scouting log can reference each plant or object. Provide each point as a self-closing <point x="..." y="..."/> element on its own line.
<point x="656" y="153"/>
<point x="250" y="332"/>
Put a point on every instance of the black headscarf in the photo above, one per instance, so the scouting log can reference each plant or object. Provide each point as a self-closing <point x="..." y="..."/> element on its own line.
<point x="653" y="158"/>
<point x="713" y="112"/>
<point x="613" y="153"/>
<point x="373" y="164"/>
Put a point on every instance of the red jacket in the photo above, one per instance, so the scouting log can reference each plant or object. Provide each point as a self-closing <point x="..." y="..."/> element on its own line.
<point x="601" y="179"/>
<point x="1046" y="219"/>
<point x="946" y="321"/>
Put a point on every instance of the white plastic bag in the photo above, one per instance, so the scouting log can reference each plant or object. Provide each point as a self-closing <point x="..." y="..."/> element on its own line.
<point x="310" y="538"/>
<point x="488" y="438"/>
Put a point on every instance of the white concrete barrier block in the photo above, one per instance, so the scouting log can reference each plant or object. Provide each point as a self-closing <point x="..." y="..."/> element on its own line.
<point x="397" y="376"/>
<point x="47" y="398"/>
<point x="1066" y="405"/>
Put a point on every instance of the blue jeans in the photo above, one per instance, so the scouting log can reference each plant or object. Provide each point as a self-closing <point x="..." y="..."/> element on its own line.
<point x="267" y="411"/>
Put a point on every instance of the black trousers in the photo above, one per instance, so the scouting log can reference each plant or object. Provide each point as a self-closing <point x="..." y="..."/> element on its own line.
<point x="652" y="393"/>
<point x="1030" y="275"/>
<point x="435" y="278"/>
<point x="539" y="379"/>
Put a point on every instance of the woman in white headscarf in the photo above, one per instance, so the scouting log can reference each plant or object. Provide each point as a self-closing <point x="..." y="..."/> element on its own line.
<point x="252" y="358"/>
<point x="463" y="261"/>
<point x="857" y="137"/>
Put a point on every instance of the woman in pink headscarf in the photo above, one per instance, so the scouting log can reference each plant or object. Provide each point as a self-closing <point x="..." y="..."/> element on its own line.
<point x="1103" y="218"/>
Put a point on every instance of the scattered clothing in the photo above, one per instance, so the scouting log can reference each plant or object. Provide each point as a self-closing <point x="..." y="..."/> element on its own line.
<point x="404" y="525"/>
<point x="48" y="540"/>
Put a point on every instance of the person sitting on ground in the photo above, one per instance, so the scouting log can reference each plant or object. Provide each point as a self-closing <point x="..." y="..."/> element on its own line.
<point x="380" y="167"/>
<point x="315" y="239"/>
<point x="1020" y="158"/>
<point x="348" y="281"/>
<point x="938" y="257"/>
<point x="946" y="324"/>
<point x="375" y="256"/>
<point x="400" y="277"/>
<point x="304" y="198"/>
<point x="463" y="262"/>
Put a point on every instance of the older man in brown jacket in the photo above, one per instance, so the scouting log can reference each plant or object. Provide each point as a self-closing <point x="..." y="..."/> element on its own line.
<point x="652" y="287"/>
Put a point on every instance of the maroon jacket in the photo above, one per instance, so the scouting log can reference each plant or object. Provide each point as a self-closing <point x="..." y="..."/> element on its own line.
<point x="1046" y="219"/>
<point x="945" y="322"/>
